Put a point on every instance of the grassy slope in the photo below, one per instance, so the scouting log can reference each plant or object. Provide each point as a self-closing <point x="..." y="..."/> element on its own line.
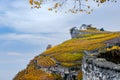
<point x="67" y="53"/>
<point x="32" y="73"/>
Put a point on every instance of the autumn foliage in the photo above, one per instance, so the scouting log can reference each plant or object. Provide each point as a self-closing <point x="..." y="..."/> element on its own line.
<point x="31" y="73"/>
<point x="75" y="6"/>
<point x="67" y="53"/>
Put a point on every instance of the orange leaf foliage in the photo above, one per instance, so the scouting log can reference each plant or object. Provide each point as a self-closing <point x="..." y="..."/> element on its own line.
<point x="31" y="2"/>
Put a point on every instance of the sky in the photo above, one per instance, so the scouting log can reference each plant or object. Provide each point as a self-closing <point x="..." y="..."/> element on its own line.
<point x="25" y="32"/>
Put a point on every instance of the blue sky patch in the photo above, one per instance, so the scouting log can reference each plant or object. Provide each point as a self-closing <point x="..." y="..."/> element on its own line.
<point x="4" y="30"/>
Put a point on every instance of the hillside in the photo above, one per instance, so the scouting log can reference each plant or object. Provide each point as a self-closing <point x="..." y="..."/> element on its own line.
<point x="67" y="55"/>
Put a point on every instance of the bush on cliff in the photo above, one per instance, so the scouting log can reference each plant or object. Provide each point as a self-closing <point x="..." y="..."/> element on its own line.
<point x="112" y="56"/>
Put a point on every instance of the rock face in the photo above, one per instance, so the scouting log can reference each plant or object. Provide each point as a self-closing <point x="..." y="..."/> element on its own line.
<point x="99" y="69"/>
<point x="49" y="46"/>
<point x="74" y="32"/>
<point x="67" y="73"/>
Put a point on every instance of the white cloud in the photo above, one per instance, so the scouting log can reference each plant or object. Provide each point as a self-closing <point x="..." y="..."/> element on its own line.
<point x="107" y="16"/>
<point x="16" y="57"/>
<point x="14" y="54"/>
<point x="36" y="39"/>
<point x="24" y="19"/>
<point x="21" y="17"/>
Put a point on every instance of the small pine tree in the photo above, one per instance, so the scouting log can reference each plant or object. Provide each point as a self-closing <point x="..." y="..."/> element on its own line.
<point x="102" y="29"/>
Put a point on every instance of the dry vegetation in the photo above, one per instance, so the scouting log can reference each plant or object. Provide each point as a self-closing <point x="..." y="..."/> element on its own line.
<point x="67" y="53"/>
<point x="31" y="73"/>
<point x="45" y="61"/>
<point x="78" y="45"/>
<point x="71" y="64"/>
<point x="112" y="55"/>
<point x="68" y="57"/>
<point x="93" y="31"/>
<point x="80" y="75"/>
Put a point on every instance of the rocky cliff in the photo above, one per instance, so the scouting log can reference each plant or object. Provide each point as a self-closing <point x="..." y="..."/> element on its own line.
<point x="69" y="55"/>
<point x="99" y="69"/>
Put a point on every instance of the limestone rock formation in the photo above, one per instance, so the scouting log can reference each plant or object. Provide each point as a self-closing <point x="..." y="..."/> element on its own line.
<point x="95" y="68"/>
<point x="49" y="46"/>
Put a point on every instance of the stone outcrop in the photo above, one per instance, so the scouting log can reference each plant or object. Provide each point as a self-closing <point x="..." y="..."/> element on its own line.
<point x="67" y="73"/>
<point x="74" y="32"/>
<point x="99" y="69"/>
<point x="49" y="46"/>
<point x="114" y="41"/>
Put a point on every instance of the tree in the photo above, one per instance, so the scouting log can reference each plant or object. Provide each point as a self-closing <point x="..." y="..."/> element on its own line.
<point x="75" y="6"/>
<point x="102" y="29"/>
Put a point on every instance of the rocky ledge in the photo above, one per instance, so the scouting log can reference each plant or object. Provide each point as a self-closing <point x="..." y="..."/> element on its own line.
<point x="99" y="69"/>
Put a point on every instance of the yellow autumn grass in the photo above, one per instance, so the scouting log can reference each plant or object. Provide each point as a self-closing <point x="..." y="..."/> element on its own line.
<point x="67" y="53"/>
